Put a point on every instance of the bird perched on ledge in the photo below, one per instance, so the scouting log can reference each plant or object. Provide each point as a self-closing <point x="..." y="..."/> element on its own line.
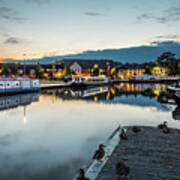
<point x="81" y="175"/>
<point x="164" y="128"/>
<point x="136" y="130"/>
<point x="123" y="135"/>
<point x="122" y="170"/>
<point x="161" y="126"/>
<point x="99" y="154"/>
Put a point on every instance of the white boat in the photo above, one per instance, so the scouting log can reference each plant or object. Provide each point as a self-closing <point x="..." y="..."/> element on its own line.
<point x="89" y="92"/>
<point x="88" y="81"/>
<point x="18" y="85"/>
<point x="174" y="88"/>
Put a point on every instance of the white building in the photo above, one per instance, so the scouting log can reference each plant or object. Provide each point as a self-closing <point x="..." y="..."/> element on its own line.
<point x="76" y="68"/>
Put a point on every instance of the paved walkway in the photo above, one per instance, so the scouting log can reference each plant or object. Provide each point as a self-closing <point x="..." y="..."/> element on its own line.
<point x="151" y="155"/>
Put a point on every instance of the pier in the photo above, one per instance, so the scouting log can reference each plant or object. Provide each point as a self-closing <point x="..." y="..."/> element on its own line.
<point x="150" y="155"/>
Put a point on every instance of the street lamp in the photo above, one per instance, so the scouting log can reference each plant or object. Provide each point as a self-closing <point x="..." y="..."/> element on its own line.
<point x="24" y="55"/>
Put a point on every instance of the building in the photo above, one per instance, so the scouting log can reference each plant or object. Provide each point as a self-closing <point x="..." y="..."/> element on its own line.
<point x="158" y="71"/>
<point x="131" y="70"/>
<point x="83" y="66"/>
<point x="76" y="68"/>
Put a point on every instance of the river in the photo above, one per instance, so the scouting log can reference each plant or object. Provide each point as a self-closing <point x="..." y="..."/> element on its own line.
<point x="50" y="135"/>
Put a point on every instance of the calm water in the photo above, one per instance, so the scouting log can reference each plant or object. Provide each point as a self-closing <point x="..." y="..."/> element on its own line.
<point x="49" y="136"/>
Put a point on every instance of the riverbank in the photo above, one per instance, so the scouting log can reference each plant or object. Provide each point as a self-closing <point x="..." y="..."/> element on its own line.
<point x="150" y="155"/>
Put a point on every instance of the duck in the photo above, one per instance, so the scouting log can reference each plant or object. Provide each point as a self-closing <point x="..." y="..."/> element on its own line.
<point x="166" y="130"/>
<point x="136" y="130"/>
<point x="123" y="135"/>
<point x="122" y="170"/>
<point x="100" y="153"/>
<point x="81" y="175"/>
<point x="161" y="126"/>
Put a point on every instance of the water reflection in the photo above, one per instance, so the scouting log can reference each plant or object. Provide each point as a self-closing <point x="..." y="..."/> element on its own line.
<point x="109" y="94"/>
<point x="65" y="126"/>
<point x="9" y="102"/>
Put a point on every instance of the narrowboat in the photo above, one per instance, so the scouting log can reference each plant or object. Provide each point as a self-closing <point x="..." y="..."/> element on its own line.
<point x="18" y="85"/>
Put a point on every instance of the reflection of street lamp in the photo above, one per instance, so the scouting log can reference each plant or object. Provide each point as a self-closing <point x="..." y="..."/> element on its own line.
<point x="24" y="116"/>
<point x="24" y="55"/>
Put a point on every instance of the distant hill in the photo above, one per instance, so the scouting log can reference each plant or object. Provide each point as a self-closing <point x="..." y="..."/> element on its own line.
<point x="137" y="54"/>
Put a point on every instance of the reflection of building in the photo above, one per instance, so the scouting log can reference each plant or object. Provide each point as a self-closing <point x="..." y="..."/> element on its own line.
<point x="158" y="89"/>
<point x="130" y="87"/>
<point x="9" y="102"/>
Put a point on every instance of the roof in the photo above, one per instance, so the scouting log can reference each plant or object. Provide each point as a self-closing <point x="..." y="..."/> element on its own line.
<point x="87" y="63"/>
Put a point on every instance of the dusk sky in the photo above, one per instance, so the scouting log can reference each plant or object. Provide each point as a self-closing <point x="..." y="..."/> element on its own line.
<point x="56" y="27"/>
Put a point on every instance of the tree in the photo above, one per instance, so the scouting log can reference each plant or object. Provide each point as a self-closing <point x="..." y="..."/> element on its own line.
<point x="95" y="70"/>
<point x="5" y="70"/>
<point x="168" y="60"/>
<point x="66" y="71"/>
<point x="148" y="69"/>
<point x="38" y="71"/>
<point x="113" y="71"/>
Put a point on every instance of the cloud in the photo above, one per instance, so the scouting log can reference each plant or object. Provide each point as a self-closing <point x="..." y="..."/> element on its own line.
<point x="165" y="43"/>
<point x="173" y="36"/>
<point x="144" y="17"/>
<point x="12" y="40"/>
<point x="39" y="2"/>
<point x="170" y="15"/>
<point x="92" y="14"/>
<point x="9" y="14"/>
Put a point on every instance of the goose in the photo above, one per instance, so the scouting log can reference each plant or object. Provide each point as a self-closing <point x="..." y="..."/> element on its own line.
<point x="166" y="130"/>
<point x="160" y="126"/>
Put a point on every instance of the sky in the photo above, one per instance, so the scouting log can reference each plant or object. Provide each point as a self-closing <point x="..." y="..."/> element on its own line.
<point x="38" y="28"/>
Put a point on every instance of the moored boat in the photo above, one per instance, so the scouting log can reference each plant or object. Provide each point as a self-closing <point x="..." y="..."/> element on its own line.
<point x="90" y="81"/>
<point x="18" y="85"/>
<point x="177" y="97"/>
<point x="174" y="88"/>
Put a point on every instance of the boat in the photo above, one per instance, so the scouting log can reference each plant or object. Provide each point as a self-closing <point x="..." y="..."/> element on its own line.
<point x="176" y="113"/>
<point x="90" y="81"/>
<point x="18" y="85"/>
<point x="174" y="88"/>
<point x="89" y="92"/>
<point x="177" y="97"/>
